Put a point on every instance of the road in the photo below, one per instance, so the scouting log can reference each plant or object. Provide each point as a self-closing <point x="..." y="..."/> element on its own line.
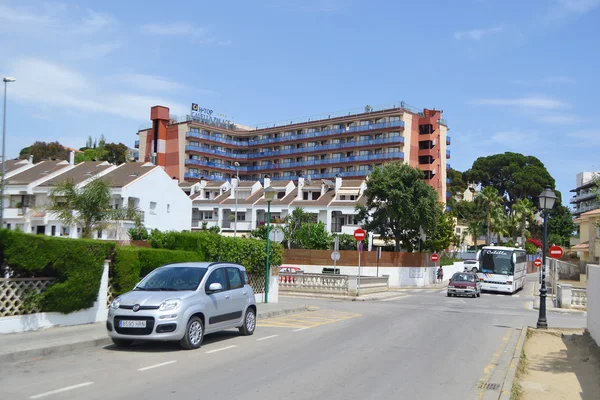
<point x="416" y="345"/>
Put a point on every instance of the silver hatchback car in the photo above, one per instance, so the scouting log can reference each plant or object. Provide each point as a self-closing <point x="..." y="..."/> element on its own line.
<point x="183" y="302"/>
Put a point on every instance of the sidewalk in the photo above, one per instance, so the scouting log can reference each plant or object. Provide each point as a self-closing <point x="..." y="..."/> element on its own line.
<point x="36" y="344"/>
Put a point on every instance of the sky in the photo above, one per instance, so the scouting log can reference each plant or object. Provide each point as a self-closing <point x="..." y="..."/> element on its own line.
<point x="509" y="75"/>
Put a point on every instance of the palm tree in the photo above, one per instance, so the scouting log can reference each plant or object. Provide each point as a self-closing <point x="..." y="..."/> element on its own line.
<point x="475" y="229"/>
<point x="87" y="207"/>
<point x="297" y="218"/>
<point x="523" y="208"/>
<point x="491" y="202"/>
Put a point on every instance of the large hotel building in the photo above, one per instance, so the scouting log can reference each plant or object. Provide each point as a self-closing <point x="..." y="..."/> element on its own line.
<point x="204" y="146"/>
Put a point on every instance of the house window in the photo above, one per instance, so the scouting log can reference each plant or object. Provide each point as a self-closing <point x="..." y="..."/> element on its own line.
<point x="208" y="215"/>
<point x="168" y="208"/>
<point x="207" y="195"/>
<point x="364" y="123"/>
<point x="152" y="208"/>
<point x="241" y="216"/>
<point x="393" y="119"/>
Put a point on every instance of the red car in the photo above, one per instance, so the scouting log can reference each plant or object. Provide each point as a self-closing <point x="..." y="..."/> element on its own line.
<point x="464" y="284"/>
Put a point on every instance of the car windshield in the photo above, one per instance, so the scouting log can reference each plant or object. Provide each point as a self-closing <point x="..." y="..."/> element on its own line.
<point x="496" y="262"/>
<point x="172" y="279"/>
<point x="463" y="278"/>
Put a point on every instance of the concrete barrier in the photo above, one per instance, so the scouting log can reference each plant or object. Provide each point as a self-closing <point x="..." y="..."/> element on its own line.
<point x="593" y="302"/>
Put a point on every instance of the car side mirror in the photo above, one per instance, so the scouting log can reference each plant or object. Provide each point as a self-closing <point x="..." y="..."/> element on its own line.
<point x="215" y="287"/>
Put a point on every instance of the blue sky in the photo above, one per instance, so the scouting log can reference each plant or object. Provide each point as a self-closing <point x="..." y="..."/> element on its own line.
<point x="510" y="75"/>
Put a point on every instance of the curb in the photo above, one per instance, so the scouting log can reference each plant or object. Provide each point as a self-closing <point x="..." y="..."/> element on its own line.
<point x="506" y="391"/>
<point x="101" y="341"/>
<point x="298" y="295"/>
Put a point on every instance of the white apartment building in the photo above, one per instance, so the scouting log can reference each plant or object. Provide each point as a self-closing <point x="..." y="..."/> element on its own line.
<point x="148" y="188"/>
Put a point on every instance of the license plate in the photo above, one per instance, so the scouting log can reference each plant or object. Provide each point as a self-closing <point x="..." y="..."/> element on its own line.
<point x="132" y="324"/>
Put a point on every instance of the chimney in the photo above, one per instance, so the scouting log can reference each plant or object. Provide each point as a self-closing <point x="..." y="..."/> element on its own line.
<point x="338" y="182"/>
<point x="72" y="157"/>
<point x="300" y="186"/>
<point x="234" y="185"/>
<point x="267" y="181"/>
<point x="30" y="159"/>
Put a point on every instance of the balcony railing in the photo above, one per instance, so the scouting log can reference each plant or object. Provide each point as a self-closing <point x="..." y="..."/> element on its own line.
<point x="198" y="175"/>
<point x="306" y="163"/>
<point x="448" y="166"/>
<point x="328" y="175"/>
<point x="302" y="136"/>
<point x="137" y="144"/>
<point x="584" y="196"/>
<point x="448" y="141"/>
<point x="303" y="150"/>
<point x="447" y="154"/>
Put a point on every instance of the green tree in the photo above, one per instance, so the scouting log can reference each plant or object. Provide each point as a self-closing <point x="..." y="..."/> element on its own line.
<point x="45" y="151"/>
<point x="115" y="153"/>
<point x="293" y="222"/>
<point x="475" y="228"/>
<point x="513" y="175"/>
<point x="441" y="235"/>
<point x="87" y="207"/>
<point x="525" y="211"/>
<point x="491" y="202"/>
<point x="561" y="225"/>
<point x="458" y="184"/>
<point x="399" y="204"/>
<point x="312" y="236"/>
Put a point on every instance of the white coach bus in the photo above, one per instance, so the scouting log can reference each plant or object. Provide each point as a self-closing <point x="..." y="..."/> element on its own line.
<point x="502" y="269"/>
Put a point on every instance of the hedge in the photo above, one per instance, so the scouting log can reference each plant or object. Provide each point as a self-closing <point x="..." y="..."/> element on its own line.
<point x="249" y="252"/>
<point x="77" y="263"/>
<point x="131" y="263"/>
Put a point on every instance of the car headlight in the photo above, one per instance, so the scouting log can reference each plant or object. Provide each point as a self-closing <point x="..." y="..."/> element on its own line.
<point x="171" y="304"/>
<point x="450" y="287"/>
<point x="115" y="303"/>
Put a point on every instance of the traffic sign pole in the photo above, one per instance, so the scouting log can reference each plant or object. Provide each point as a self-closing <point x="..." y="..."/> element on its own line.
<point x="359" y="235"/>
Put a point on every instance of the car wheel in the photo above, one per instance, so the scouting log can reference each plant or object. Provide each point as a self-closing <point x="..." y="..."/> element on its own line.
<point x="479" y="293"/>
<point x="474" y="269"/>
<point x="194" y="333"/>
<point x="122" y="342"/>
<point x="249" y="324"/>
<point x="449" y="294"/>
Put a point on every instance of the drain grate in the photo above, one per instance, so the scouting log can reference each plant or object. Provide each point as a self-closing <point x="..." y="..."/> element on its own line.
<point x="488" y="386"/>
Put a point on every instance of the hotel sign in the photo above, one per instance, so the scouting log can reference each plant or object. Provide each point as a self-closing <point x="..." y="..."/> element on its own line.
<point x="207" y="116"/>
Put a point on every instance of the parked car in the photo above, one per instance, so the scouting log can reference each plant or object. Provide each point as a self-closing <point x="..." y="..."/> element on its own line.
<point x="464" y="284"/>
<point x="472" y="265"/>
<point x="291" y="270"/>
<point x="183" y="302"/>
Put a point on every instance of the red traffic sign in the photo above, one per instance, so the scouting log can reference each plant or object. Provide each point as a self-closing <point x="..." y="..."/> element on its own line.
<point x="537" y="262"/>
<point x="434" y="257"/>
<point x="360" y="234"/>
<point x="556" y="252"/>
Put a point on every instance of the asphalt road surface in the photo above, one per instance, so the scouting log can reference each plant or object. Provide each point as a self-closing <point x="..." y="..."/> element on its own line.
<point x="416" y="345"/>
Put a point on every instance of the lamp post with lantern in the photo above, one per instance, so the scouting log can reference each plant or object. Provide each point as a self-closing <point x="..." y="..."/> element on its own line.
<point x="269" y="196"/>
<point x="547" y="199"/>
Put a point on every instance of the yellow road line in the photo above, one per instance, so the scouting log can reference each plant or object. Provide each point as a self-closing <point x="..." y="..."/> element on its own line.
<point x="489" y="369"/>
<point x="306" y="320"/>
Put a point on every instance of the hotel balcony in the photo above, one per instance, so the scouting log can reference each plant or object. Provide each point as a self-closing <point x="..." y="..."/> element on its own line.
<point x="137" y="144"/>
<point x="584" y="196"/>
<point x="447" y="154"/>
<point x="300" y="137"/>
<point x="448" y="166"/>
<point x="448" y="141"/>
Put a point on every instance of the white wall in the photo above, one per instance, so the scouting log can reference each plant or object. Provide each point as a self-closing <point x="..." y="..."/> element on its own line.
<point x="158" y="187"/>
<point x="273" y="291"/>
<point x="398" y="276"/>
<point x="593" y="302"/>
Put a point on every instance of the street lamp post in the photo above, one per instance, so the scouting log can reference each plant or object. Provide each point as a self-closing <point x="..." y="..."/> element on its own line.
<point x="6" y="81"/>
<point x="235" y="195"/>
<point x="269" y="196"/>
<point x="547" y="199"/>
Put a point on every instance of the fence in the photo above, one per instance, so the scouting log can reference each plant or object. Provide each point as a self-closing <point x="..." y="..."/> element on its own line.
<point x="593" y="302"/>
<point x="342" y="285"/>
<point x="14" y="293"/>
<point x="569" y="297"/>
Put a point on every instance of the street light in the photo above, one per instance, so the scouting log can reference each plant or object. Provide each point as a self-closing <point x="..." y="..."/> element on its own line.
<point x="6" y="81"/>
<point x="235" y="195"/>
<point x="547" y="199"/>
<point x="269" y="196"/>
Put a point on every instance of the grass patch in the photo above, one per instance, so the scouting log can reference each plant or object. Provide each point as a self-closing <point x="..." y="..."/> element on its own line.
<point x="517" y="391"/>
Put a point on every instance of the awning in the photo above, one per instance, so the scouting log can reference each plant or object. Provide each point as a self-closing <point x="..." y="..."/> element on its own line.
<point x="581" y="246"/>
<point x="351" y="192"/>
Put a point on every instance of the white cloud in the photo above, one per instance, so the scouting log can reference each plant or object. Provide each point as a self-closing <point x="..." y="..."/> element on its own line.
<point x="526" y="102"/>
<point x="50" y="86"/>
<point x="477" y="34"/>
<point x="174" y="29"/>
<point x="559" y="119"/>
<point x="577" y="6"/>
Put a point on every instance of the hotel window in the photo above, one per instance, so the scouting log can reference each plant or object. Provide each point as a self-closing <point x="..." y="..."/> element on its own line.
<point x="207" y="195"/>
<point x="312" y="171"/>
<point x="365" y="123"/>
<point x="364" y="168"/>
<point x="393" y="134"/>
<point x="365" y="137"/>
<point x="323" y="156"/>
<point x="380" y="120"/>
<point x="218" y="135"/>
<point x="337" y="126"/>
<point x="337" y="155"/>
<point x="287" y="147"/>
<point x="311" y="130"/>
<point x="288" y="173"/>
<point x="299" y="159"/>
<point x="337" y="169"/>
<point x="393" y="119"/>
<point x="378" y="151"/>
<point x="287" y="160"/>
<point x="311" y="144"/>
<point x="193" y="143"/>
<point x="350" y="169"/>
<point x="311" y="158"/>
<point x="267" y="149"/>
<point x="193" y="170"/>
<point x="197" y="130"/>
<point x="365" y="152"/>
<point x="194" y="157"/>
<point x="265" y="162"/>
<point x="393" y="149"/>
<point x="336" y="141"/>
<point x="228" y="163"/>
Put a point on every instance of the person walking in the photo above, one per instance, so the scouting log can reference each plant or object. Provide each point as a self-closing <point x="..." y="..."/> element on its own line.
<point x="440" y="274"/>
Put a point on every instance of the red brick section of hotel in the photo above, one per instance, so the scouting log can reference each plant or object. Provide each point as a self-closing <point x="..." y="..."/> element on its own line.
<point x="423" y="145"/>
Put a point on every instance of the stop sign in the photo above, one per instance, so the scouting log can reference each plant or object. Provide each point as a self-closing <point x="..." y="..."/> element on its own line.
<point x="537" y="262"/>
<point x="360" y="234"/>
<point x="434" y="257"/>
<point x="556" y="252"/>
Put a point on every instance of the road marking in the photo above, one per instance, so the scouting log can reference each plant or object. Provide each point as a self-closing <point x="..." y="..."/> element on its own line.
<point x="268" y="337"/>
<point x="442" y="291"/>
<point x="396" y="297"/>
<point x="157" y="365"/>
<point x="307" y="319"/>
<point x="221" y="349"/>
<point x="65" y="389"/>
<point x="302" y="329"/>
<point x="489" y="369"/>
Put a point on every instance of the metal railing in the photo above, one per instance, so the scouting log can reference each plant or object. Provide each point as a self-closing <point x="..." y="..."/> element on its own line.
<point x="585" y="196"/>
<point x="448" y="140"/>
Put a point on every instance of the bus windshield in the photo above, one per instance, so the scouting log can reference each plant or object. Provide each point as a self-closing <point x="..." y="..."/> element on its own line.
<point x="496" y="262"/>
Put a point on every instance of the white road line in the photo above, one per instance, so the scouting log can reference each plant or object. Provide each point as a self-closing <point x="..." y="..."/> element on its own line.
<point x="157" y="365"/>
<point x="302" y="329"/>
<point x="221" y="349"/>
<point x="442" y="291"/>
<point x="430" y="291"/>
<point x="396" y="297"/>
<point x="65" y="389"/>
<point x="268" y="337"/>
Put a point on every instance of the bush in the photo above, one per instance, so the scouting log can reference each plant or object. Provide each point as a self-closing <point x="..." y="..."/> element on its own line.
<point x="530" y="248"/>
<point x="536" y="242"/>
<point x="138" y="233"/>
<point x="77" y="263"/>
<point x="447" y="259"/>
<point x="132" y="263"/>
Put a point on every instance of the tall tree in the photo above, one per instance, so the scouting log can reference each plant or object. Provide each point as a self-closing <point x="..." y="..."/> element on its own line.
<point x="491" y="201"/>
<point x="115" y="153"/>
<point x="399" y="204"/>
<point x="561" y="225"/>
<point x="475" y="228"/>
<point x="513" y="175"/>
<point x="524" y="210"/>
<point x="45" y="151"/>
<point x="293" y="222"/>
<point x="441" y="235"/>
<point x="458" y="184"/>
<point x="87" y="207"/>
